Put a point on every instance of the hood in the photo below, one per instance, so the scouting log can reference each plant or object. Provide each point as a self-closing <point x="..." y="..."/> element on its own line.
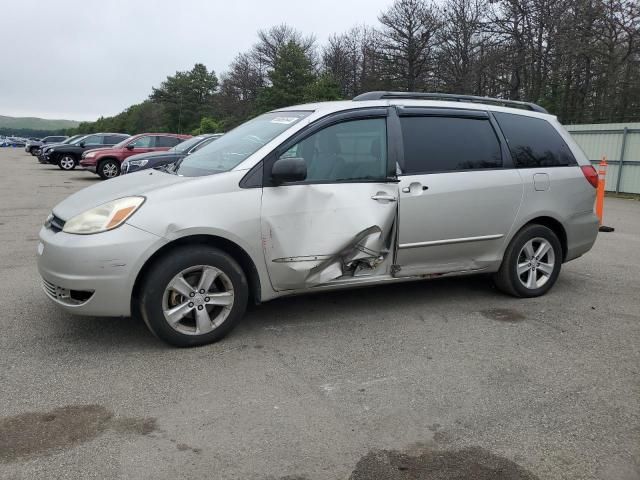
<point x="138" y="183"/>
<point x="51" y="145"/>
<point x="99" y="150"/>
<point x="148" y="155"/>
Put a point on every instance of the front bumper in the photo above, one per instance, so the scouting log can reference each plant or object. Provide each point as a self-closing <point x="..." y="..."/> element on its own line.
<point x="88" y="164"/>
<point x="94" y="274"/>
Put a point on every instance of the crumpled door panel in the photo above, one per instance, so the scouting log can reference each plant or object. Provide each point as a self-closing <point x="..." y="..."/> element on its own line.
<point x="313" y="234"/>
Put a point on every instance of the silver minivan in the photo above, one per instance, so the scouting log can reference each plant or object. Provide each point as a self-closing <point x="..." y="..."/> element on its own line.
<point x="388" y="187"/>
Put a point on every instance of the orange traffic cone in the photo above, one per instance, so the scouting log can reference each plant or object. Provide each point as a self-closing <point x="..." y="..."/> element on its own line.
<point x="602" y="174"/>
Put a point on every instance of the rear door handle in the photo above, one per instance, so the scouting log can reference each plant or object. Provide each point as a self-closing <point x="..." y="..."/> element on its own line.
<point x="383" y="197"/>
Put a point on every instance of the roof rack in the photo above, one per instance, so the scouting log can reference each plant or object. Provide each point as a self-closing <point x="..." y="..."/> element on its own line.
<point x="449" y="97"/>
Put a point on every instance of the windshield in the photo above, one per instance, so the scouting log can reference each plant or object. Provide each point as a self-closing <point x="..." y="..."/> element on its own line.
<point x="184" y="147"/>
<point x="237" y="145"/>
<point x="124" y="142"/>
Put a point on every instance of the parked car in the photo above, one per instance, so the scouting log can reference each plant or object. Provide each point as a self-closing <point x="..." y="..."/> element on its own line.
<point x="45" y="151"/>
<point x="33" y="146"/>
<point x="67" y="157"/>
<point x="386" y="188"/>
<point x="142" y="161"/>
<point x="38" y="152"/>
<point x="106" y="162"/>
<point x="13" y="142"/>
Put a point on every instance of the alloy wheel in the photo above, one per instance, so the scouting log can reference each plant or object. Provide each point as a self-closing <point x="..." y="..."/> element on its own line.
<point x="536" y="263"/>
<point x="67" y="162"/>
<point x="197" y="300"/>
<point x="110" y="170"/>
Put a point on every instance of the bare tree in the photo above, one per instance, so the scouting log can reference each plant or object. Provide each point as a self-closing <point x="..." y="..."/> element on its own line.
<point x="407" y="38"/>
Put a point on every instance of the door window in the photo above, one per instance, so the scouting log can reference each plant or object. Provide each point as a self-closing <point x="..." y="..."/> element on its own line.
<point x="445" y="144"/>
<point x="167" y="141"/>
<point x="143" y="142"/>
<point x="93" y="140"/>
<point x="534" y="142"/>
<point x="348" y="151"/>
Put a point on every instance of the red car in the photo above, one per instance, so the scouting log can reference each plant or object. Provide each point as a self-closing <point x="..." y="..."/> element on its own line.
<point x="106" y="161"/>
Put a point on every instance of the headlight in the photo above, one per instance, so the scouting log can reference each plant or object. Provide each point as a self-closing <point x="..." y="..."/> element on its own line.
<point x="138" y="163"/>
<point x="104" y="217"/>
<point x="90" y="155"/>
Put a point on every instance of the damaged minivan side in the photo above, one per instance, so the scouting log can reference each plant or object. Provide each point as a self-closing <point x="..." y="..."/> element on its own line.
<point x="388" y="187"/>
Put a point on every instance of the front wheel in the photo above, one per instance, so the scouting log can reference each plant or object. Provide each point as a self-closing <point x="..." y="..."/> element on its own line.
<point x="67" y="162"/>
<point x="531" y="264"/>
<point x="193" y="296"/>
<point x="108" y="169"/>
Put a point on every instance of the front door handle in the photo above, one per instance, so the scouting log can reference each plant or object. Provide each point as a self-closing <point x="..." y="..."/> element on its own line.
<point x="383" y="197"/>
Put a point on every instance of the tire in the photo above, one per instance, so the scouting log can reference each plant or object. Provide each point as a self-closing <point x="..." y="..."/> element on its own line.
<point x="188" y="317"/>
<point x="32" y="151"/>
<point x="538" y="272"/>
<point x="108" y="169"/>
<point x="66" y="162"/>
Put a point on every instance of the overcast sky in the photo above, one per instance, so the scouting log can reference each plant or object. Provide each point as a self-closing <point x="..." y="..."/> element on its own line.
<point x="79" y="59"/>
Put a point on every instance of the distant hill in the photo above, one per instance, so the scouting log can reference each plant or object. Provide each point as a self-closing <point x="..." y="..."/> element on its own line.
<point x="33" y="123"/>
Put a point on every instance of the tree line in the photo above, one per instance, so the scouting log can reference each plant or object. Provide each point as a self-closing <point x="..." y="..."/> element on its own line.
<point x="580" y="59"/>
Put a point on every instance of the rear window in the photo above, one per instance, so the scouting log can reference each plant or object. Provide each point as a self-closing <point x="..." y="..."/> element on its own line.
<point x="534" y="142"/>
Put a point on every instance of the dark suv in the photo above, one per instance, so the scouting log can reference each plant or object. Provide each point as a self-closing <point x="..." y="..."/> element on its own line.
<point x="68" y="156"/>
<point x="106" y="162"/>
<point x="33" y="146"/>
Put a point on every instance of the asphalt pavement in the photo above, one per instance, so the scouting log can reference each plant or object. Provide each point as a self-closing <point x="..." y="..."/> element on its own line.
<point x="431" y="380"/>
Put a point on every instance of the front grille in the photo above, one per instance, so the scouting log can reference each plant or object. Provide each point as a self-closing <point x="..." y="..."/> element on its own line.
<point x="64" y="295"/>
<point x="49" y="288"/>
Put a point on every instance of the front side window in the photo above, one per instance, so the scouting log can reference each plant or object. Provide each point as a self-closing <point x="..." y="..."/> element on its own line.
<point x="142" y="142"/>
<point x="348" y="151"/>
<point x="93" y="140"/>
<point x="533" y="142"/>
<point x="236" y="146"/>
<point x="444" y="144"/>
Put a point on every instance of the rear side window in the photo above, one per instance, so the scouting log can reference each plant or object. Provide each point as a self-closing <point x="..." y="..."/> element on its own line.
<point x="444" y="144"/>
<point x="167" y="141"/>
<point x="534" y="142"/>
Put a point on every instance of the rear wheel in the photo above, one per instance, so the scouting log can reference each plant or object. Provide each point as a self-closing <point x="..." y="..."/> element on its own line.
<point x="67" y="162"/>
<point x="108" y="169"/>
<point x="531" y="264"/>
<point x="193" y="296"/>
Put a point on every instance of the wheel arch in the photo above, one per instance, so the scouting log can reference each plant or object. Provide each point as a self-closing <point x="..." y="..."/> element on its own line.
<point x="238" y="253"/>
<point x="555" y="226"/>
<point x="106" y="158"/>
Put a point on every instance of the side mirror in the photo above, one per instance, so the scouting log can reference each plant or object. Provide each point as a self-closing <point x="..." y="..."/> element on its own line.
<point x="129" y="147"/>
<point x="82" y="144"/>
<point x="288" y="170"/>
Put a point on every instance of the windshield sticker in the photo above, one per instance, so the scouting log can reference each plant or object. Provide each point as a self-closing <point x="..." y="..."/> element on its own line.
<point x="284" y="120"/>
